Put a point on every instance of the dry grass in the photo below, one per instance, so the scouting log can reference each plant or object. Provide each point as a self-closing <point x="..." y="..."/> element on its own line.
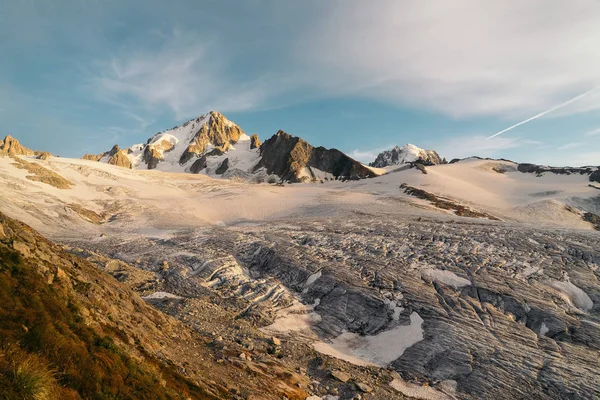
<point x="28" y="376"/>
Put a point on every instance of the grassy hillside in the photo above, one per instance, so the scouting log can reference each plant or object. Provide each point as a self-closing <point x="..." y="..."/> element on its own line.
<point x="52" y="347"/>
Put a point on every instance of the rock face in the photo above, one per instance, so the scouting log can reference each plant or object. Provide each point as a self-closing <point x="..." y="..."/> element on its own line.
<point x="217" y="131"/>
<point x="198" y="165"/>
<point x="408" y="153"/>
<point x="119" y="157"/>
<point x="254" y="141"/>
<point x="223" y="167"/>
<point x="93" y="157"/>
<point x="294" y="160"/>
<point x="10" y="145"/>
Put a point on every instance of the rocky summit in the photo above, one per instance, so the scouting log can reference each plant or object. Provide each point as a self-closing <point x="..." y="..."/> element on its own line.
<point x="408" y="153"/>
<point x="11" y="146"/>
<point x="294" y="160"/>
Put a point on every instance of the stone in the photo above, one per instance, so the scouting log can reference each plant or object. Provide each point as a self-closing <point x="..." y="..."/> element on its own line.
<point x="363" y="387"/>
<point x="341" y="376"/>
<point x="61" y="274"/>
<point x="275" y="341"/>
<point x="22" y="248"/>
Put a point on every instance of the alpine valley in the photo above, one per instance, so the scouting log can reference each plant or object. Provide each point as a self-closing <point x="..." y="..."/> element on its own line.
<point x="208" y="264"/>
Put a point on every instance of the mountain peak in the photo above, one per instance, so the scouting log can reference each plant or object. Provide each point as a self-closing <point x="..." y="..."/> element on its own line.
<point x="408" y="153"/>
<point x="295" y="160"/>
<point x="11" y="145"/>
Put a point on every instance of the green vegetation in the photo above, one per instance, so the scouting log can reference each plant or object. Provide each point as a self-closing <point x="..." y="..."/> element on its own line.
<point x="48" y="352"/>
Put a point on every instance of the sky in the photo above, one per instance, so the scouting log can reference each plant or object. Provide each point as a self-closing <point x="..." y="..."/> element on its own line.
<point x="362" y="76"/>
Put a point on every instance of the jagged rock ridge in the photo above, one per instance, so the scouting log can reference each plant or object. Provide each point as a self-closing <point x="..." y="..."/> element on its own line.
<point x="295" y="160"/>
<point x="11" y="146"/>
<point x="213" y="145"/>
<point x="539" y="170"/>
<point x="179" y="146"/>
<point x="408" y="153"/>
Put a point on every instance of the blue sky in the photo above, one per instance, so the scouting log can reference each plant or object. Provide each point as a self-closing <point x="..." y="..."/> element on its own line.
<point x="78" y="76"/>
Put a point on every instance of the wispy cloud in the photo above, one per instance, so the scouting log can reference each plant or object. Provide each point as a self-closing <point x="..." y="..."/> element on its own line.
<point x="462" y="58"/>
<point x="182" y="74"/>
<point x="593" y="132"/>
<point x="572" y="145"/>
<point x="477" y="145"/>
<point x="368" y="155"/>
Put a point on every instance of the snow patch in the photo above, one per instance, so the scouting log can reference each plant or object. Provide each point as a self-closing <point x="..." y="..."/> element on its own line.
<point x="298" y="317"/>
<point x="380" y="349"/>
<point x="161" y="295"/>
<point x="445" y="277"/>
<point x="312" y="279"/>
<point x="544" y="329"/>
<point x="574" y="295"/>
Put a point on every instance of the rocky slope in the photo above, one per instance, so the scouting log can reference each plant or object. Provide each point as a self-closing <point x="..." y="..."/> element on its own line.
<point x="70" y="331"/>
<point x="408" y="153"/>
<point x="295" y="160"/>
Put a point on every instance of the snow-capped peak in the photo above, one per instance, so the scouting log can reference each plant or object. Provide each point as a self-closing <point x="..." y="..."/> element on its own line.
<point x="408" y="153"/>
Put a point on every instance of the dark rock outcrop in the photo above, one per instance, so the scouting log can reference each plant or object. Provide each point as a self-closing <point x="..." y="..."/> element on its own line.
<point x="290" y="157"/>
<point x="595" y="176"/>
<point x="540" y="169"/>
<point x="198" y="165"/>
<point x="44" y="155"/>
<point x="152" y="157"/>
<point x="223" y="167"/>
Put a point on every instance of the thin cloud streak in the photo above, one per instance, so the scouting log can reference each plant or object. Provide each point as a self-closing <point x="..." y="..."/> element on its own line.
<point x="566" y="103"/>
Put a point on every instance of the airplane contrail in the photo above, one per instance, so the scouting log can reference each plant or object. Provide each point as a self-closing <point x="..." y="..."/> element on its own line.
<point x="545" y="112"/>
